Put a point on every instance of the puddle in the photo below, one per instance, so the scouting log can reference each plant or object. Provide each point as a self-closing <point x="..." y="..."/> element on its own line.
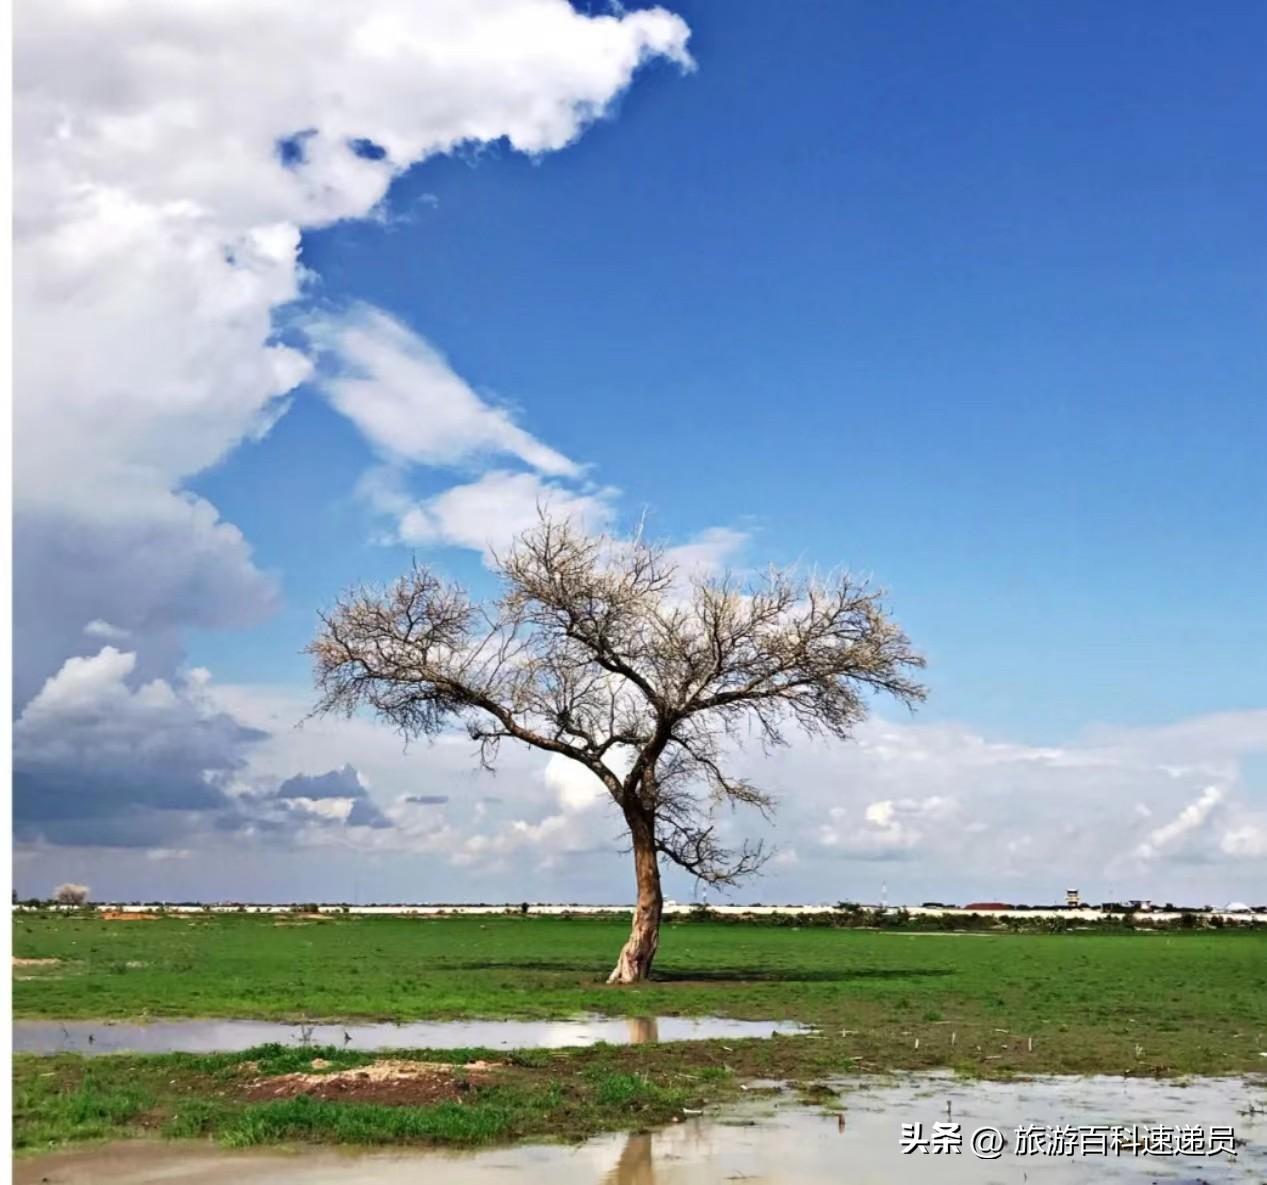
<point x="227" y="1036"/>
<point x="787" y="1144"/>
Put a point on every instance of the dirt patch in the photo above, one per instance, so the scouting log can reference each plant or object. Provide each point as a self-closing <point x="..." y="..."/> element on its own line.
<point x="37" y="965"/>
<point x="389" y="1082"/>
<point x="115" y="915"/>
<point x="942" y="934"/>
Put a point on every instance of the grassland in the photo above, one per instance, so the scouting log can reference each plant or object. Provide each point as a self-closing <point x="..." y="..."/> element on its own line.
<point x="66" y="1099"/>
<point x="1131" y="1002"/>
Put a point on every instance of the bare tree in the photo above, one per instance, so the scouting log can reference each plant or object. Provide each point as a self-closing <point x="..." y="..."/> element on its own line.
<point x="598" y="651"/>
<point x="71" y="894"/>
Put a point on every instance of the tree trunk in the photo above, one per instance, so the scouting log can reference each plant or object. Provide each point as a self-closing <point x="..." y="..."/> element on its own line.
<point x="634" y="964"/>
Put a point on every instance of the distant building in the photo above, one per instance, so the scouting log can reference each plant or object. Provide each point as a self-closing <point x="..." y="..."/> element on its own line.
<point x="1073" y="899"/>
<point x="1134" y="905"/>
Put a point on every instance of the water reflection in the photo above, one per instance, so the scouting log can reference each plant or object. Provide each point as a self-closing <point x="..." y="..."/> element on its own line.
<point x="634" y="1166"/>
<point x="644" y="1030"/>
<point x="784" y="1144"/>
<point x="656" y="1158"/>
<point x="93" y="1037"/>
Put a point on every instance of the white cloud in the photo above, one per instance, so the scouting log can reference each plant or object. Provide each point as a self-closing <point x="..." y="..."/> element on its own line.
<point x="84" y="684"/>
<point x="973" y="817"/>
<point x="150" y="566"/>
<point x="156" y="234"/>
<point x="1188" y="820"/>
<point x="157" y="228"/>
<point x="105" y="759"/>
<point x="864" y="843"/>
<point x="487" y="514"/>
<point x="166" y="169"/>
<point x="708" y="553"/>
<point x="951" y="814"/>
<point x="575" y="786"/>
<point x="103" y="629"/>
<point x="887" y="812"/>
<point x="880" y="813"/>
<point x="1248" y="841"/>
<point x="97" y="758"/>
<point x="937" y="811"/>
<point x="889" y="828"/>
<point x="542" y="807"/>
<point x="408" y="402"/>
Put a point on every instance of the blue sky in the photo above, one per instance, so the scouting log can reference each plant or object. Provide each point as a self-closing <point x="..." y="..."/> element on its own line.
<point x="969" y="297"/>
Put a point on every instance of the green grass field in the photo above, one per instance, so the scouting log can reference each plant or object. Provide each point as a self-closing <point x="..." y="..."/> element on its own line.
<point x="995" y="1004"/>
<point x="66" y="1099"/>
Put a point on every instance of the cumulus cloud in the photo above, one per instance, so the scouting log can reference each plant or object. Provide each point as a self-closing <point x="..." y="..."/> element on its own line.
<point x="165" y="170"/>
<point x="944" y="810"/>
<point x="148" y="566"/>
<point x="889" y="813"/>
<point x="338" y="796"/>
<point x="544" y="808"/>
<point x="933" y="810"/>
<point x="158" y="224"/>
<point x="573" y="818"/>
<point x="1245" y="842"/>
<point x="487" y="514"/>
<point x="335" y="783"/>
<point x="889" y="829"/>
<point x="577" y="788"/>
<point x="97" y="760"/>
<point x="959" y="813"/>
<point x="101" y="758"/>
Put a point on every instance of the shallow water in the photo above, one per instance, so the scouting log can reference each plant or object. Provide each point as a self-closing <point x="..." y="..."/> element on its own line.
<point x="773" y="1142"/>
<point x="230" y="1036"/>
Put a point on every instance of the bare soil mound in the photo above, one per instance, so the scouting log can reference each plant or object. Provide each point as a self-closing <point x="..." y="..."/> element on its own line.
<point x="390" y="1082"/>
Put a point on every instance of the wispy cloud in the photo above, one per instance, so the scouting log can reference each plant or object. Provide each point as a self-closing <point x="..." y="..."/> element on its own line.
<point x="157" y="231"/>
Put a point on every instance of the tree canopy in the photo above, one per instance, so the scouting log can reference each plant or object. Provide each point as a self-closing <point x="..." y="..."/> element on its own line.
<point x="601" y="650"/>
